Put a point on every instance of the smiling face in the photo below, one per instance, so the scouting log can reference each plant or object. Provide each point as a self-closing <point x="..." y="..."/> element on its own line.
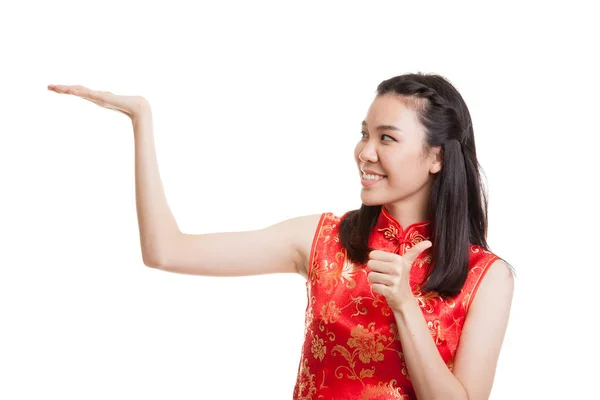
<point x="393" y="145"/>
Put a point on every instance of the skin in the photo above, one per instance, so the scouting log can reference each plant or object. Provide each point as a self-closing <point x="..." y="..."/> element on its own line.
<point x="285" y="247"/>
<point x="132" y="106"/>
<point x="400" y="155"/>
<point x="410" y="169"/>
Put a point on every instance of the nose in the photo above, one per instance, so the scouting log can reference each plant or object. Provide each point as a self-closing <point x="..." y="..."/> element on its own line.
<point x="368" y="153"/>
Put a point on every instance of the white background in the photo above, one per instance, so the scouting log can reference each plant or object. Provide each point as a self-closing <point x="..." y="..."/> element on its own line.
<point x="257" y="109"/>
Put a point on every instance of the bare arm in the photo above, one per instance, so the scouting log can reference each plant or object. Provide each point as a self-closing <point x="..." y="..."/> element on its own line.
<point x="156" y="222"/>
<point x="279" y="248"/>
<point x="483" y="333"/>
<point x="283" y="247"/>
<point x="481" y="340"/>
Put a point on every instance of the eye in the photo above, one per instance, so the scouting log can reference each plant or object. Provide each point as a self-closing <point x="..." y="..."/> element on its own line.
<point x="364" y="136"/>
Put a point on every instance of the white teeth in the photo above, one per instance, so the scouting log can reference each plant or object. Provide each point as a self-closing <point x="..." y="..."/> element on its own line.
<point x="370" y="177"/>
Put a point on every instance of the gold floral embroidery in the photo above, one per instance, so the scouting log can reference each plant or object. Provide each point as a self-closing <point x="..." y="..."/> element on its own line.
<point x="456" y="324"/>
<point x="414" y="237"/>
<point x="383" y="389"/>
<point x="379" y="298"/>
<point x="391" y="232"/>
<point x="329" y="274"/>
<point x="365" y="342"/>
<point x="357" y="301"/>
<point x="436" y="331"/>
<point x="326" y="272"/>
<point x="428" y="300"/>
<point x="476" y="249"/>
<point x="349" y="269"/>
<point x="323" y="328"/>
<point x="330" y="312"/>
<point x="364" y="373"/>
<point x="318" y="348"/>
<point x="305" y="383"/>
<point x="404" y="367"/>
<point x="328" y="228"/>
<point x="360" y="351"/>
<point x="421" y="261"/>
<point x="465" y="300"/>
<point x="451" y="364"/>
<point x="450" y="302"/>
<point x="403" y="245"/>
<point x="323" y="274"/>
<point x="308" y="315"/>
<point x="368" y="345"/>
<point x="396" y="336"/>
<point x="394" y="331"/>
<point x="323" y="384"/>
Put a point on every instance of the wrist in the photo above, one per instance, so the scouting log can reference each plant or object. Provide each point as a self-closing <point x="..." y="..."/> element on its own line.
<point x="406" y="307"/>
<point x="141" y="110"/>
<point x="142" y="121"/>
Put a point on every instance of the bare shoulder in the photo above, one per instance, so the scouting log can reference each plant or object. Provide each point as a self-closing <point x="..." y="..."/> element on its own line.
<point x="498" y="280"/>
<point x="302" y="230"/>
<point x="495" y="290"/>
<point x="483" y="332"/>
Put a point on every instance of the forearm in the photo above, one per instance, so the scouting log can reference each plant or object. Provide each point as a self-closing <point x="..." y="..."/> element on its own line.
<point x="156" y="222"/>
<point x="428" y="372"/>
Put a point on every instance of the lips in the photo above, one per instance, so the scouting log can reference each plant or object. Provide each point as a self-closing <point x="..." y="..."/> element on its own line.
<point x="370" y="172"/>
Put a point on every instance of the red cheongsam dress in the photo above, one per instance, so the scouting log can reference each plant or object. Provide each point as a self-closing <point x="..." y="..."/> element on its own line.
<point x="351" y="344"/>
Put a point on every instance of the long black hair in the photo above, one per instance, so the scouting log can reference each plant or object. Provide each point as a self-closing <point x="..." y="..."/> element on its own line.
<point x="457" y="205"/>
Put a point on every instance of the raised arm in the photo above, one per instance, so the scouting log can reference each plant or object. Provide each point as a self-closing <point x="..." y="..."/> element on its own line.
<point x="156" y="223"/>
<point x="283" y="247"/>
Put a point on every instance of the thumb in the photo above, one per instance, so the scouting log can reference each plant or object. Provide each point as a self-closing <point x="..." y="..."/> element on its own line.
<point x="411" y="255"/>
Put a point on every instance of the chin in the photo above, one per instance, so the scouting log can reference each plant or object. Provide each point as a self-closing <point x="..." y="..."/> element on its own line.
<point x="370" y="201"/>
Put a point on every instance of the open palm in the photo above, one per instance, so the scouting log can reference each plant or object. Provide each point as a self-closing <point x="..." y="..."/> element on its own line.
<point x="131" y="106"/>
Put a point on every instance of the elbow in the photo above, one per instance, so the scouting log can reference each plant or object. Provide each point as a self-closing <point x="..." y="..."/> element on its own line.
<point x="153" y="261"/>
<point x="458" y="392"/>
<point x="446" y="396"/>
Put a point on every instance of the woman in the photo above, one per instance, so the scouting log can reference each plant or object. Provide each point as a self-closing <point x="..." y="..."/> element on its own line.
<point x="405" y="299"/>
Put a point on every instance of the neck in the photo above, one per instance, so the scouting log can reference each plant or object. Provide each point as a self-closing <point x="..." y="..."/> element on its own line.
<point x="410" y="210"/>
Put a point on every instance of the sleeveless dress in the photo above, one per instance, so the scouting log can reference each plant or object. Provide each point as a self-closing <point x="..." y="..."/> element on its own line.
<point x="351" y="347"/>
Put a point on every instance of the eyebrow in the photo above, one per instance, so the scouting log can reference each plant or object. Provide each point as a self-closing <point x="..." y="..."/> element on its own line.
<point x="384" y="127"/>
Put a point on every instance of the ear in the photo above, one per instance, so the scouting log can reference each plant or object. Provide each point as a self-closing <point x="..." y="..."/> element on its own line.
<point x="436" y="157"/>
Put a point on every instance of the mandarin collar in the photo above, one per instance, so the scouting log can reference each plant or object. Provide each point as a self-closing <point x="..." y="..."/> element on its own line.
<point x="390" y="234"/>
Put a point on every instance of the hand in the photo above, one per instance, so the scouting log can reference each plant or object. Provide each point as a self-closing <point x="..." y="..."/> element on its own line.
<point x="390" y="274"/>
<point x="132" y="106"/>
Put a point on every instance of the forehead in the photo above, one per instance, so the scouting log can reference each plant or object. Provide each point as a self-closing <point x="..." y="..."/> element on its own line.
<point x="390" y="109"/>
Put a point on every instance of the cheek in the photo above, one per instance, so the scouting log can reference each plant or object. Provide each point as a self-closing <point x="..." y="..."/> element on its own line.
<point x="407" y="171"/>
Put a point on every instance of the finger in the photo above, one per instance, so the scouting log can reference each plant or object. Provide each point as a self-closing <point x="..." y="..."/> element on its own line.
<point x="382" y="255"/>
<point x="58" y="88"/>
<point x="101" y="98"/>
<point x="86" y="93"/>
<point x="381" y="289"/>
<point x="383" y="279"/>
<point x="412" y="254"/>
<point x="384" y="267"/>
<point x="68" y="89"/>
